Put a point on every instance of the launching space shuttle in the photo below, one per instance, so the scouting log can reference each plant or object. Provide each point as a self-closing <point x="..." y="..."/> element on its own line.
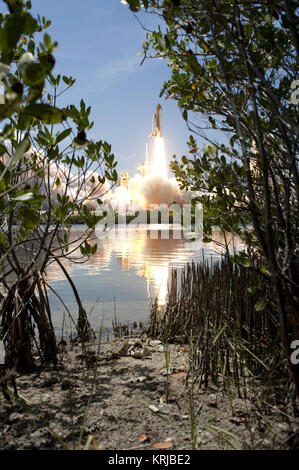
<point x="157" y="123"/>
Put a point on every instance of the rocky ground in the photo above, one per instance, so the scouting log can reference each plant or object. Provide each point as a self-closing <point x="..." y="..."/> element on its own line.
<point x="129" y="408"/>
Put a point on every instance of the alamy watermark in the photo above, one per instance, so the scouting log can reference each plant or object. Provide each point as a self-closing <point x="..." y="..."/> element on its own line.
<point x="186" y="222"/>
<point x="295" y="353"/>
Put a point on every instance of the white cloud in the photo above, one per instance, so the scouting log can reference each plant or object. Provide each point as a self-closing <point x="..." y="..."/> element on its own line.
<point x="111" y="73"/>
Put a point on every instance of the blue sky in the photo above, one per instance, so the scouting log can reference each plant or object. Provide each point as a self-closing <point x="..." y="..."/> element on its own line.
<point x="98" y="45"/>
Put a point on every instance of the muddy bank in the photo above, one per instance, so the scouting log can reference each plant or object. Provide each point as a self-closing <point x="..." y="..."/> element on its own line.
<point x="132" y="407"/>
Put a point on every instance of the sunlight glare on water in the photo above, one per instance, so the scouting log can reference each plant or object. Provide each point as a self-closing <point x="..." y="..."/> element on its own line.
<point x="133" y="271"/>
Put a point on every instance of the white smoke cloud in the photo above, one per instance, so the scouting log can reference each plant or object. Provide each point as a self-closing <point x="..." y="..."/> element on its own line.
<point x="59" y="180"/>
<point x="145" y="191"/>
<point x="141" y="193"/>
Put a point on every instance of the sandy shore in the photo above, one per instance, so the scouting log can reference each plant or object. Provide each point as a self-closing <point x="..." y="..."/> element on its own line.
<point x="128" y="406"/>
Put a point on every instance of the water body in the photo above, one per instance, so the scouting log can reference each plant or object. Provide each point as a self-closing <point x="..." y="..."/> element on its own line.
<point x="127" y="273"/>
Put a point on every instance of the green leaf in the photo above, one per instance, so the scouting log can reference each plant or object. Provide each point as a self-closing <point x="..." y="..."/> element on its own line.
<point x="212" y="63"/>
<point x="30" y="217"/>
<point x="265" y="271"/>
<point x="192" y="61"/>
<point x="69" y="81"/>
<point x="19" y="152"/>
<point x="211" y="151"/>
<point x="46" y="113"/>
<point x="24" y="121"/>
<point x="63" y="135"/>
<point x="47" y="40"/>
<point x="24" y="197"/>
<point x="252" y="290"/>
<point x="260" y="305"/>
<point x="79" y="144"/>
<point x="34" y="74"/>
<point x="245" y="262"/>
<point x="14" y="27"/>
<point x="134" y="5"/>
<point x="31" y="46"/>
<point x="87" y="249"/>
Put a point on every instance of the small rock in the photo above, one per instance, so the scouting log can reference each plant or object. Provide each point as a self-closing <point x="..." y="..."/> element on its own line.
<point x="39" y="433"/>
<point x="68" y="419"/>
<point x="165" y="373"/>
<point x="26" y="445"/>
<point x="163" y="410"/>
<point x="155" y="342"/>
<point x="213" y="401"/>
<point x="15" y="417"/>
<point x="109" y="355"/>
<point x="137" y="354"/>
<point x="141" y="379"/>
<point x="154" y="408"/>
<point x="46" y="398"/>
<point x="141" y="353"/>
<point x="123" y="349"/>
<point x="146" y="352"/>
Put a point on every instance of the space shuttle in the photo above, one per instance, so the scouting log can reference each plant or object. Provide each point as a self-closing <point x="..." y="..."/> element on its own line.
<point x="157" y="123"/>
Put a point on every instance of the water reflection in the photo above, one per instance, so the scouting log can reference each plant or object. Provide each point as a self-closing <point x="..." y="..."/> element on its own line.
<point x="160" y="275"/>
<point x="133" y="270"/>
<point x="128" y="272"/>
